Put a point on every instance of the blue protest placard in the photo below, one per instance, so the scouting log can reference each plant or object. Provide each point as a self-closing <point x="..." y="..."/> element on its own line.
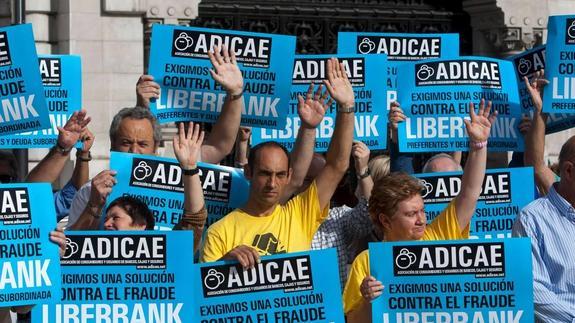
<point x="30" y="272"/>
<point x="453" y="281"/>
<point x="526" y="64"/>
<point x="180" y="64"/>
<point x="158" y="182"/>
<point x="435" y="97"/>
<point x="62" y="80"/>
<point x="364" y="73"/>
<point x="21" y="91"/>
<point x="504" y="193"/>
<point x="137" y="276"/>
<point x="399" y="48"/>
<point x="559" y="95"/>
<point x="295" y="287"/>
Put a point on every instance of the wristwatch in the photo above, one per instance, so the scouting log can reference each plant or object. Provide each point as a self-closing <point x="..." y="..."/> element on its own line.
<point x="62" y="150"/>
<point x="365" y="174"/>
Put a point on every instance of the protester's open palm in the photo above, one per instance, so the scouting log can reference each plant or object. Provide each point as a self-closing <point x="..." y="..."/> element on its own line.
<point x="338" y="84"/>
<point x="187" y="146"/>
<point x="70" y="133"/>
<point x="535" y="88"/>
<point x="226" y="70"/>
<point x="479" y="126"/>
<point x="312" y="110"/>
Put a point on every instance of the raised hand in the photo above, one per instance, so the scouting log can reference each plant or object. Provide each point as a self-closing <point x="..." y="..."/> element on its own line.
<point x="479" y="126"/>
<point x="244" y="134"/>
<point x="312" y="110"/>
<point x="187" y="146"/>
<point x="87" y="139"/>
<point x="360" y="153"/>
<point x="102" y="187"/>
<point x="338" y="84"/>
<point x="226" y="71"/>
<point x="146" y="89"/>
<point x="72" y="130"/>
<point x="395" y="115"/>
<point x="535" y="88"/>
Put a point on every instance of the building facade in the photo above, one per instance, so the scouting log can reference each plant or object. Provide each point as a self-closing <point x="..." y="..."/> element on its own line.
<point x="113" y="36"/>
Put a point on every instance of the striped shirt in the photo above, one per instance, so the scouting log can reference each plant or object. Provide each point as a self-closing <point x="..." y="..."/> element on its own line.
<point x="550" y="223"/>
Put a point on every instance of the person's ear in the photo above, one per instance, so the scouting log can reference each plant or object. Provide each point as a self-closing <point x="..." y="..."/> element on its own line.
<point x="384" y="221"/>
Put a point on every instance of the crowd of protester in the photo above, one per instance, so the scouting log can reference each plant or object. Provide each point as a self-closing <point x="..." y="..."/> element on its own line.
<point x="293" y="202"/>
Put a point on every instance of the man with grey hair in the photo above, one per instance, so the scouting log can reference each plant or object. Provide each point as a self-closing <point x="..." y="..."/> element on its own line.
<point x="441" y="163"/>
<point x="136" y="130"/>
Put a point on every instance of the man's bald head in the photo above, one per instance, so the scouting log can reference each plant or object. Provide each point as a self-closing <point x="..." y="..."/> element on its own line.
<point x="567" y="152"/>
<point x="441" y="163"/>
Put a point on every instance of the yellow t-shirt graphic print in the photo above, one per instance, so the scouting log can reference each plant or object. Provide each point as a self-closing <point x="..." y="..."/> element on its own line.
<point x="267" y="244"/>
<point x="290" y="228"/>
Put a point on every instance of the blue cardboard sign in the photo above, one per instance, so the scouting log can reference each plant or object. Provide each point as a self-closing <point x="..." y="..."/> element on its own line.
<point x="138" y="276"/>
<point x="526" y="64"/>
<point x="158" y="182"/>
<point x="62" y="80"/>
<point x="295" y="287"/>
<point x="364" y="73"/>
<point x="504" y="193"/>
<point x="435" y="97"/>
<point x="21" y="91"/>
<point x="559" y="95"/>
<point x="30" y="272"/>
<point x="399" y="48"/>
<point x="453" y="281"/>
<point x="180" y="64"/>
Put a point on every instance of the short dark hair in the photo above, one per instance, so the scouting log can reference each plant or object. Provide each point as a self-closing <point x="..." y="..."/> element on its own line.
<point x="136" y="209"/>
<point x="255" y="149"/>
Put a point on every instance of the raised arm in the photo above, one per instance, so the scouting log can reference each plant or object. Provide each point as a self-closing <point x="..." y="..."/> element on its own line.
<point x="227" y="73"/>
<point x="242" y="147"/>
<point x="311" y="112"/>
<point x="337" y="159"/>
<point x="360" y="153"/>
<point x="186" y="148"/>
<point x="100" y="189"/>
<point x="478" y="129"/>
<point x="535" y="138"/>
<point x="81" y="174"/>
<point x="51" y="166"/>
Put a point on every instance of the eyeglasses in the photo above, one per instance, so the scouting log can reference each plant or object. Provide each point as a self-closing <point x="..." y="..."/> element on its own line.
<point x="5" y="178"/>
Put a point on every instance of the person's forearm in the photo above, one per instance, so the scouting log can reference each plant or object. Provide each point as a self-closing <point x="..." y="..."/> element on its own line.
<point x="193" y="193"/>
<point x="241" y="154"/>
<point x="301" y="156"/>
<point x="49" y="168"/>
<point x="361" y="314"/>
<point x="474" y="172"/>
<point x="221" y="140"/>
<point x="81" y="174"/>
<point x="89" y="219"/>
<point x="339" y="149"/>
<point x="535" y="151"/>
<point x="365" y="187"/>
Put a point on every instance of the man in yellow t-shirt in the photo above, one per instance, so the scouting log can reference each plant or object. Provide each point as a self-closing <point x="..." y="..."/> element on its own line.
<point x="397" y="208"/>
<point x="263" y="226"/>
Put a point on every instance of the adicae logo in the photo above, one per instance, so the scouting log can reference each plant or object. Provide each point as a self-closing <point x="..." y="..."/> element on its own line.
<point x="571" y="30"/>
<point x="524" y="66"/>
<point x="425" y="72"/>
<point x="366" y="46"/>
<point x="427" y="188"/>
<point x="405" y="258"/>
<point x="183" y="42"/>
<point x="213" y="279"/>
<point x="71" y="248"/>
<point x="142" y="171"/>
